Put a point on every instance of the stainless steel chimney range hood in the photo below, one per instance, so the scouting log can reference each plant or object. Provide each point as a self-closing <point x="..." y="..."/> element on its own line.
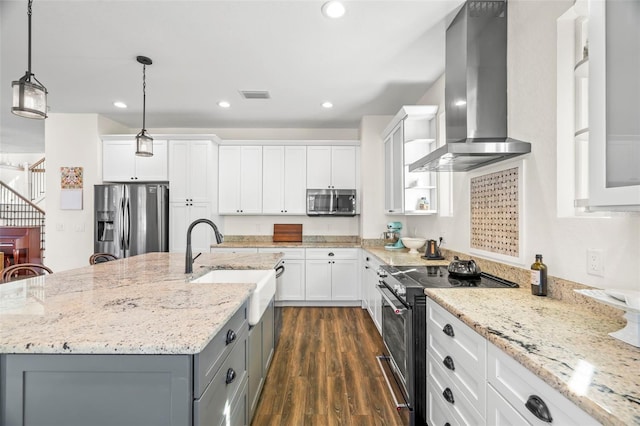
<point x="475" y="92"/>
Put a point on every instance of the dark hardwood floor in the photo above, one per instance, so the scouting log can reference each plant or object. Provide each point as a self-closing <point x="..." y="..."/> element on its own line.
<point x="325" y="372"/>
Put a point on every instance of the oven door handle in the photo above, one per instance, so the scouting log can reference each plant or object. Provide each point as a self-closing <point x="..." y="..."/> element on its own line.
<point x="398" y="310"/>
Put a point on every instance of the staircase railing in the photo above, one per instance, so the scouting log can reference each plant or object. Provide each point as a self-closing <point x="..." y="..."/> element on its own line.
<point x="37" y="180"/>
<point x="16" y="210"/>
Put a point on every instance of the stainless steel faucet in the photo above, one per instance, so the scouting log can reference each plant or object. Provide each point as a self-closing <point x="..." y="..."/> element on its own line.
<point x="188" y="268"/>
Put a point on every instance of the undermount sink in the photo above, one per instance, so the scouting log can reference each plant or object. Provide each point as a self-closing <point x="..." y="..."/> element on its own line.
<point x="265" y="281"/>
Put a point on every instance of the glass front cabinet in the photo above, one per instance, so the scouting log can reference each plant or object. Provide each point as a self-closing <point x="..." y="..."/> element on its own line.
<point x="410" y="136"/>
<point x="614" y="106"/>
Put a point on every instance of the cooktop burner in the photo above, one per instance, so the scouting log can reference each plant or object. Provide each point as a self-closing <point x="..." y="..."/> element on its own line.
<point x="439" y="277"/>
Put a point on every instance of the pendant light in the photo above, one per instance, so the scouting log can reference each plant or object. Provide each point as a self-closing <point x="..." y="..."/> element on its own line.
<point x="144" y="142"/>
<point x="29" y="95"/>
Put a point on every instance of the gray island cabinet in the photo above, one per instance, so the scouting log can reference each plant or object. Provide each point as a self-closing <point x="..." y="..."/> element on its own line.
<point x="98" y="352"/>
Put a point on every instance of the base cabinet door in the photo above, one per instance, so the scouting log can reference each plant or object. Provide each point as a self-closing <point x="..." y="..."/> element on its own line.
<point x="260" y="355"/>
<point x="96" y="390"/>
<point x="344" y="280"/>
<point x="318" y="280"/>
<point x="255" y="366"/>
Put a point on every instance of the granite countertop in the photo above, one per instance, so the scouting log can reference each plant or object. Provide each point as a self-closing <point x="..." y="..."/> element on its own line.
<point x="138" y="305"/>
<point x="402" y="257"/>
<point x="554" y="339"/>
<point x="271" y="244"/>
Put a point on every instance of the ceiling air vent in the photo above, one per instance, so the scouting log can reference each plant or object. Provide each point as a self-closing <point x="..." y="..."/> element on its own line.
<point x="255" y="94"/>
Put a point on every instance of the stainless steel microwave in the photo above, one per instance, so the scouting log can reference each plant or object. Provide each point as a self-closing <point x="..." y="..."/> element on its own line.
<point x="331" y="202"/>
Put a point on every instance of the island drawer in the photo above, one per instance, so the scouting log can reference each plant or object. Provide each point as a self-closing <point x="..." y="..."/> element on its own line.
<point x="215" y="404"/>
<point x="207" y="363"/>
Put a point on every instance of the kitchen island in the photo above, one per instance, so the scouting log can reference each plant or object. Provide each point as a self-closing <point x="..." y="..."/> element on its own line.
<point x="136" y="324"/>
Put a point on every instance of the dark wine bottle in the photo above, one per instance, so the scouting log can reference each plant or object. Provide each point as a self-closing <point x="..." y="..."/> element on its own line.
<point x="539" y="277"/>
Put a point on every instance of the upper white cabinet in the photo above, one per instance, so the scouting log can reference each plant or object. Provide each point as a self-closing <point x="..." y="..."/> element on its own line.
<point x="332" y="167"/>
<point x="240" y="180"/>
<point x="284" y="177"/>
<point x="614" y="110"/>
<point x="410" y="136"/>
<point x="121" y="164"/>
<point x="181" y="215"/>
<point x="190" y="168"/>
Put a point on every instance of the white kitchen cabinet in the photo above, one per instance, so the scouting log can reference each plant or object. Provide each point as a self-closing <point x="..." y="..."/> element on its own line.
<point x="370" y="293"/>
<point x="332" y="167"/>
<point x="180" y="217"/>
<point x="614" y="128"/>
<point x="240" y="180"/>
<point x="500" y="412"/>
<point x="332" y="275"/>
<point x="291" y="285"/>
<point x="410" y="136"/>
<point x="460" y="353"/>
<point x="190" y="169"/>
<point x="284" y="177"/>
<point x="121" y="164"/>
<point x="517" y="385"/>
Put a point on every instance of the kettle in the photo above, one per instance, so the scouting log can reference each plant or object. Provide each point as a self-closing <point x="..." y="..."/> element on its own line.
<point x="433" y="251"/>
<point x="463" y="268"/>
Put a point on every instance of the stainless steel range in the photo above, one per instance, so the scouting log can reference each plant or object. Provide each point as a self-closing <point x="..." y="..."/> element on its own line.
<point x="404" y="323"/>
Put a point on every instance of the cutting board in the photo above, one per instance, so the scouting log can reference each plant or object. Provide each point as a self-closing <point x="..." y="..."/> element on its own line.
<point x="287" y="233"/>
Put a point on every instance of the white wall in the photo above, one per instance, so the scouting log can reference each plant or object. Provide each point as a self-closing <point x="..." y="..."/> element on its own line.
<point x="72" y="140"/>
<point x="532" y="117"/>
<point x="263" y="225"/>
<point x="373" y="220"/>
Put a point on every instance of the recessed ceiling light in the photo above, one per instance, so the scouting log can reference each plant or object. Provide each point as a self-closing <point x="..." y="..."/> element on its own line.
<point x="119" y="104"/>
<point x="333" y="9"/>
<point x="224" y="104"/>
<point x="327" y="105"/>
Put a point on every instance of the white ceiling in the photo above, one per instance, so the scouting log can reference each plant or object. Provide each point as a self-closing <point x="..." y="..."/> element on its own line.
<point x="379" y="56"/>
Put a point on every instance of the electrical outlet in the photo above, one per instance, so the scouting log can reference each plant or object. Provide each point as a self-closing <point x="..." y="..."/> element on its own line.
<point x="595" y="262"/>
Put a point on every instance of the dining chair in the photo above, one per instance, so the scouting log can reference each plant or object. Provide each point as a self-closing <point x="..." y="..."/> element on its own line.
<point x="101" y="258"/>
<point x="24" y="270"/>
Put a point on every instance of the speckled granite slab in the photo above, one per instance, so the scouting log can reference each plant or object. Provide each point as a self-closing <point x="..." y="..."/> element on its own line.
<point x="138" y="305"/>
<point x="402" y="257"/>
<point x="550" y="337"/>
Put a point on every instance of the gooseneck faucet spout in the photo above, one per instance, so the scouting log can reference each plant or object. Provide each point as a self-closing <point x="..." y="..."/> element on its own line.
<point x="188" y="268"/>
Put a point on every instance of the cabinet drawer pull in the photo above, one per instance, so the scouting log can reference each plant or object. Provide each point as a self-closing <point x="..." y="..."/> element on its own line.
<point x="231" y="376"/>
<point x="448" y="330"/>
<point x="447" y="424"/>
<point x="331" y="254"/>
<point x="448" y="362"/>
<point x="538" y="408"/>
<point x="448" y="395"/>
<point x="231" y="336"/>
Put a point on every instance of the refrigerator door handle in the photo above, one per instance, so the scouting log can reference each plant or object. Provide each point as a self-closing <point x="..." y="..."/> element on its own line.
<point x="122" y="223"/>
<point x="128" y="223"/>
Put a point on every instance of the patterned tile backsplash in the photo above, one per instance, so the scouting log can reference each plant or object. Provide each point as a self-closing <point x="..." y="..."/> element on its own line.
<point x="494" y="213"/>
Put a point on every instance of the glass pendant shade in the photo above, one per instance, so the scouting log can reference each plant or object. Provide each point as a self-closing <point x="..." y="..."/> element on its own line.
<point x="144" y="144"/>
<point x="29" y="95"/>
<point x="29" y="98"/>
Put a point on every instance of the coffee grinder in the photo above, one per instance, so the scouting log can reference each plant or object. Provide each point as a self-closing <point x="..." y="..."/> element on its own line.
<point x="393" y="236"/>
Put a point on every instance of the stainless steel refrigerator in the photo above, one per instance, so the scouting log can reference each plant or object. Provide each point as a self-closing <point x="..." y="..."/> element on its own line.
<point x="131" y="219"/>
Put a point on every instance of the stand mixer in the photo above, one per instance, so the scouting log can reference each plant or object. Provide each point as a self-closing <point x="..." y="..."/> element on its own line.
<point x="392" y="236"/>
